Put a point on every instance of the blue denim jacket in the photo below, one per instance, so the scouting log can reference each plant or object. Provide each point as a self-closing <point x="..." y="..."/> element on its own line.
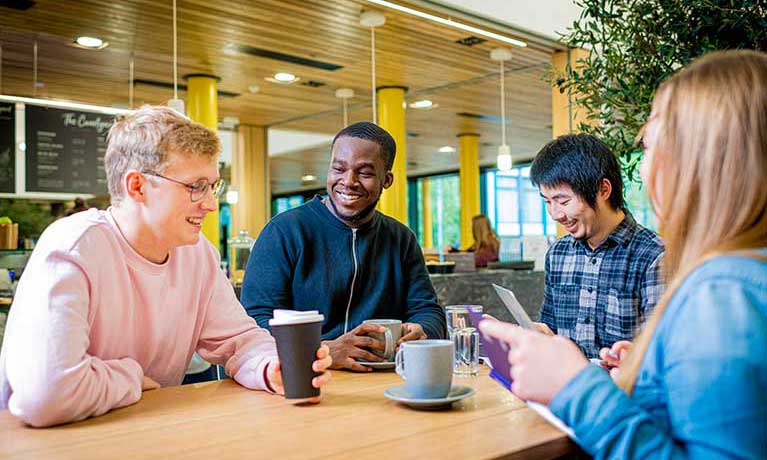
<point x="701" y="392"/>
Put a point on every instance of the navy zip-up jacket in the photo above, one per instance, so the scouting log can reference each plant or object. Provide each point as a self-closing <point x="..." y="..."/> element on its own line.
<point x="304" y="260"/>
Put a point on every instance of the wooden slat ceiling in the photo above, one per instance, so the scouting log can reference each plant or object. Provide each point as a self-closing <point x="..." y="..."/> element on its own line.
<point x="410" y="51"/>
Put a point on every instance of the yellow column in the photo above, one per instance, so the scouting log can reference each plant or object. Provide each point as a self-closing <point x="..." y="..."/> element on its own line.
<point x="469" y="180"/>
<point x="391" y="117"/>
<point x="566" y="115"/>
<point x="202" y="107"/>
<point x="428" y="241"/>
<point x="250" y="177"/>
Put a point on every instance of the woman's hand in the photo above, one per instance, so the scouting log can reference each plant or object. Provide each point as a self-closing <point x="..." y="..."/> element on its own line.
<point x="541" y="365"/>
<point x="149" y="384"/>
<point x="321" y="365"/>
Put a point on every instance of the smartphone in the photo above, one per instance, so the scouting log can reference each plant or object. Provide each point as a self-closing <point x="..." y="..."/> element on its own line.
<point x="497" y="352"/>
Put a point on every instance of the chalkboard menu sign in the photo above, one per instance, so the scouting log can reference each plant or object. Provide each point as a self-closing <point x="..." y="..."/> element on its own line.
<point x="65" y="150"/>
<point x="7" y="147"/>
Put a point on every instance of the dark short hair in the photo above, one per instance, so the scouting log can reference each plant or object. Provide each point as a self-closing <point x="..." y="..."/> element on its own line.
<point x="580" y="161"/>
<point x="374" y="133"/>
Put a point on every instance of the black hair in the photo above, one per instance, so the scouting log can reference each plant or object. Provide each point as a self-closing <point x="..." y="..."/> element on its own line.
<point x="580" y="161"/>
<point x="372" y="132"/>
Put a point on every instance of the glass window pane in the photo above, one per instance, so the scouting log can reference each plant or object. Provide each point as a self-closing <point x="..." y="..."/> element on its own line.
<point x="508" y="206"/>
<point x="532" y="209"/>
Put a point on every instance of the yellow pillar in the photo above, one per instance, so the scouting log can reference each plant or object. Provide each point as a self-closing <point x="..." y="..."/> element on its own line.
<point x="202" y="107"/>
<point x="250" y="177"/>
<point x="469" y="180"/>
<point x="428" y="241"/>
<point x="391" y="117"/>
<point x="566" y="115"/>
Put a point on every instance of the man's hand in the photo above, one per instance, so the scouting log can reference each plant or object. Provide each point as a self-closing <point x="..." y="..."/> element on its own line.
<point x="149" y="384"/>
<point x="613" y="356"/>
<point x="411" y="331"/>
<point x="321" y="365"/>
<point x="543" y="329"/>
<point x="355" y="345"/>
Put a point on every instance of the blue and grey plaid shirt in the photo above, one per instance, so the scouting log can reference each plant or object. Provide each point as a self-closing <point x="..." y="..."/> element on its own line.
<point x="598" y="297"/>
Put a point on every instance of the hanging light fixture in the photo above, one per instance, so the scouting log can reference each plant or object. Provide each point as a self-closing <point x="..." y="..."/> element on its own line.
<point x="34" y="70"/>
<point x="504" y="151"/>
<point x="232" y="196"/>
<point x="130" y="82"/>
<point x="175" y="103"/>
<point x="345" y="94"/>
<point x="373" y="19"/>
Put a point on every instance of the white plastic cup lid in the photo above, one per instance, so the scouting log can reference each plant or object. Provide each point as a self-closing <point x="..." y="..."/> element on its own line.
<point x="287" y="317"/>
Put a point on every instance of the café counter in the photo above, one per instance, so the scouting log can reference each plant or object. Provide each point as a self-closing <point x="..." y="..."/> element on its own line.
<point x="476" y="288"/>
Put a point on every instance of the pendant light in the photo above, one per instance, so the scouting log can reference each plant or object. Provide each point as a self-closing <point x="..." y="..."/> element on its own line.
<point x="504" y="160"/>
<point x="373" y="19"/>
<point x="130" y="82"/>
<point x="175" y="103"/>
<point x="34" y="70"/>
<point x="345" y="94"/>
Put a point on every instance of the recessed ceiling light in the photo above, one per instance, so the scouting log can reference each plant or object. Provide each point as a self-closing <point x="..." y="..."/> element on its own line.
<point x="446" y="149"/>
<point x="423" y="104"/>
<point x="285" y="77"/>
<point x="308" y="178"/>
<point x="254" y="89"/>
<point x="91" y="42"/>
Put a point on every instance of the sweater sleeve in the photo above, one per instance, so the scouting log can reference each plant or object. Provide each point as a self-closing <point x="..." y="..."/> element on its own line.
<point x="51" y="376"/>
<point x="713" y="389"/>
<point x="268" y="276"/>
<point x="422" y="306"/>
<point x="230" y="338"/>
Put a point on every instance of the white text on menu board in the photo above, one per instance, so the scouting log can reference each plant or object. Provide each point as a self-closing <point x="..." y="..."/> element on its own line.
<point x="82" y="121"/>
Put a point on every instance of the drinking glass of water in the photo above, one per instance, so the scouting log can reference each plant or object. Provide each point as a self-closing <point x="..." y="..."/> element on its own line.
<point x="465" y="338"/>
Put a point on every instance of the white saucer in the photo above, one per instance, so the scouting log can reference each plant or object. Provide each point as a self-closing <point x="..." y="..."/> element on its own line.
<point x="457" y="392"/>
<point x="378" y="365"/>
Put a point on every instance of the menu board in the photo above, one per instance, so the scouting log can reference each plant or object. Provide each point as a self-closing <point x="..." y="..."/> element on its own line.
<point x="65" y="150"/>
<point x="7" y="147"/>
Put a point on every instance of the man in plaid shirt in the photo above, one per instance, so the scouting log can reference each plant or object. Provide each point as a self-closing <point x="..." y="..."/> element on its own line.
<point x="604" y="278"/>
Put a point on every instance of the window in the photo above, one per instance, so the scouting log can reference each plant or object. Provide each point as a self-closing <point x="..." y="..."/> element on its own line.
<point x="514" y="205"/>
<point x="445" y="199"/>
<point x="638" y="203"/>
<point x="282" y="204"/>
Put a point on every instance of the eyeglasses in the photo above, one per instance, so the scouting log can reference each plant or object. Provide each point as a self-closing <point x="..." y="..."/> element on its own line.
<point x="197" y="189"/>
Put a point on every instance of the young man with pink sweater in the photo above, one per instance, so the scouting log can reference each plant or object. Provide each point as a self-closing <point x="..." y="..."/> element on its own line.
<point x="115" y="302"/>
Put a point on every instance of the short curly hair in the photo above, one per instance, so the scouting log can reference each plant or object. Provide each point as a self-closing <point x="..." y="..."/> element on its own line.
<point x="143" y="139"/>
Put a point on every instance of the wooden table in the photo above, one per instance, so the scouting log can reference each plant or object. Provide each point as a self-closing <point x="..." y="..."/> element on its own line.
<point x="355" y="420"/>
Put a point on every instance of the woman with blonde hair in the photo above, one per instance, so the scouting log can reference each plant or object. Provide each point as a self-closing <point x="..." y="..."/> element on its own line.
<point x="486" y="242"/>
<point x="694" y="383"/>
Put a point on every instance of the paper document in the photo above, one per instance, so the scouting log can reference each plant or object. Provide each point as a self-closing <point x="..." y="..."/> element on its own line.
<point x="514" y="307"/>
<point x="544" y="412"/>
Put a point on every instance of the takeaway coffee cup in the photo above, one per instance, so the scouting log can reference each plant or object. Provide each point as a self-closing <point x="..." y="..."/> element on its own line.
<point x="427" y="367"/>
<point x="297" y="334"/>
<point x="389" y="338"/>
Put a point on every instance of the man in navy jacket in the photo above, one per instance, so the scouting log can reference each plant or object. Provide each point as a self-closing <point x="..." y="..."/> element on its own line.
<point x="340" y="256"/>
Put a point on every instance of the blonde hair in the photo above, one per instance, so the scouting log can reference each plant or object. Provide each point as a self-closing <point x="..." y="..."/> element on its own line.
<point x="484" y="236"/>
<point x="710" y="164"/>
<point x="144" y="139"/>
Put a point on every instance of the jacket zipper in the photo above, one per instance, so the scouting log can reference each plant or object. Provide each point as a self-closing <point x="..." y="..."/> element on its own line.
<point x="354" y="278"/>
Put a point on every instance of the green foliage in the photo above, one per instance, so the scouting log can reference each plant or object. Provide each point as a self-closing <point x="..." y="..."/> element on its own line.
<point x="31" y="217"/>
<point x="446" y="210"/>
<point x="636" y="44"/>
